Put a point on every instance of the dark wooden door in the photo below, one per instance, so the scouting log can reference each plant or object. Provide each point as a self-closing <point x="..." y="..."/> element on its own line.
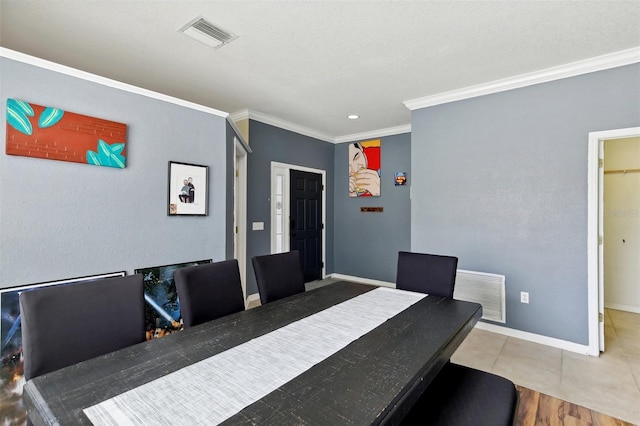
<point x="306" y="221"/>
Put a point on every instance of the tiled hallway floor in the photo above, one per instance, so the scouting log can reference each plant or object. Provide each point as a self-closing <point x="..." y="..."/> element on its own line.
<point x="609" y="384"/>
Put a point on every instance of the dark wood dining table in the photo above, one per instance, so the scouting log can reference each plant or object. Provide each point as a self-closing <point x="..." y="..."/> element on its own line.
<point x="375" y="379"/>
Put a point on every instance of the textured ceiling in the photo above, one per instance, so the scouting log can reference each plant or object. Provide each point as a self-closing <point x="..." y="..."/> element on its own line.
<point x="313" y="63"/>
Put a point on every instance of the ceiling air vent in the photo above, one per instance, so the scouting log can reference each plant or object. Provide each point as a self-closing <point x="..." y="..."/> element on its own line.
<point x="207" y="33"/>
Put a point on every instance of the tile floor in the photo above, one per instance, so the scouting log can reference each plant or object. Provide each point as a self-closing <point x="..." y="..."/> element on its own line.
<point x="609" y="384"/>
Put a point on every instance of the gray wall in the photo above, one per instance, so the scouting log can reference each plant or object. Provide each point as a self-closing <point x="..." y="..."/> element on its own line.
<point x="501" y="182"/>
<point x="367" y="244"/>
<point x="268" y="144"/>
<point x="60" y="220"/>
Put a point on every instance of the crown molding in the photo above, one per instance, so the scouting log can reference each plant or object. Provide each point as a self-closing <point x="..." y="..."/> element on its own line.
<point x="374" y="134"/>
<point x="599" y="63"/>
<point x="274" y="121"/>
<point x="282" y="124"/>
<point x="63" y="69"/>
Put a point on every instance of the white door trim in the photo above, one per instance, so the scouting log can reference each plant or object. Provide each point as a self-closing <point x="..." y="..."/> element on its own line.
<point x="594" y="206"/>
<point x="240" y="211"/>
<point x="285" y="169"/>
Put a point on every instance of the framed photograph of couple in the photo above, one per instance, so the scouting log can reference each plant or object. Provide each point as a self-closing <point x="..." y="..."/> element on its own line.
<point x="188" y="189"/>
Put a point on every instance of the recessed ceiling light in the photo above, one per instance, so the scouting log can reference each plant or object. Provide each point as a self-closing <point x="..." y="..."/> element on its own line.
<point x="353" y="116"/>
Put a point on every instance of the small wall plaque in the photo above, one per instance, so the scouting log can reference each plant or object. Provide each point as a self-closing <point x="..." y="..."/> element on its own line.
<point x="371" y="209"/>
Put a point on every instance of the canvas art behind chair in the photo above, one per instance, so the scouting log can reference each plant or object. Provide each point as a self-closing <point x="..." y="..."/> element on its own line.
<point x="53" y="134"/>
<point x="12" y="411"/>
<point x="162" y="307"/>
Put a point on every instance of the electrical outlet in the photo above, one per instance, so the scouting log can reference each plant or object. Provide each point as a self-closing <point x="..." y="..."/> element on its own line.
<point x="524" y="297"/>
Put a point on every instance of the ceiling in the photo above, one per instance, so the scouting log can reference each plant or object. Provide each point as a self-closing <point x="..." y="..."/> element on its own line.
<point x="312" y="63"/>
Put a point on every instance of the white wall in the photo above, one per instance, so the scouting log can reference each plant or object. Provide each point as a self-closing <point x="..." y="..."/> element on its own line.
<point x="622" y="224"/>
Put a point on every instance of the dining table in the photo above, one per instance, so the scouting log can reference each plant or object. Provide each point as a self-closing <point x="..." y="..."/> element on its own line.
<point x="343" y="354"/>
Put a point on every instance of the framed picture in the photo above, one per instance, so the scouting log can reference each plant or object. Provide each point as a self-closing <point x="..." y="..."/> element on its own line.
<point x="188" y="189"/>
<point x="364" y="168"/>
<point x="162" y="308"/>
<point x="11" y="365"/>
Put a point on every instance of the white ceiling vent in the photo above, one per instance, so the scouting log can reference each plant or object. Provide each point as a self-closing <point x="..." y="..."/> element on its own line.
<point x="207" y="33"/>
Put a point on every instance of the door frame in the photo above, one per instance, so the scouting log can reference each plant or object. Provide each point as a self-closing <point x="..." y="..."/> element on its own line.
<point x="595" y="266"/>
<point x="283" y="169"/>
<point x="240" y="211"/>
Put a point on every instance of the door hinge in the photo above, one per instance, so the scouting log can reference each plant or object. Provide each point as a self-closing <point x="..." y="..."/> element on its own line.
<point x="322" y="226"/>
<point x="322" y="264"/>
<point x="236" y="229"/>
<point x="237" y="173"/>
<point x="600" y="163"/>
<point x="600" y="317"/>
<point x="599" y="240"/>
<point x="321" y="187"/>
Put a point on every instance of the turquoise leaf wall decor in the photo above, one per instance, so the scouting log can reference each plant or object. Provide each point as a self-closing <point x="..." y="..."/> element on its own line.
<point x="107" y="155"/>
<point x="17" y="112"/>
<point x="49" y="117"/>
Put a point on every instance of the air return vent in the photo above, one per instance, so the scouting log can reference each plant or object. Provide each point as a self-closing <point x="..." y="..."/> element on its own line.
<point x="207" y="33"/>
<point x="485" y="289"/>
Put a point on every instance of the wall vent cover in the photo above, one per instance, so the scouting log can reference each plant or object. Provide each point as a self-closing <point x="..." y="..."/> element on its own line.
<point x="205" y="32"/>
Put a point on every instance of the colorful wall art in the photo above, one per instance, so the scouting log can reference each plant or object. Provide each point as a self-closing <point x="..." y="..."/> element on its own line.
<point x="162" y="308"/>
<point x="54" y="134"/>
<point x="400" y="178"/>
<point x="364" y="169"/>
<point x="12" y="410"/>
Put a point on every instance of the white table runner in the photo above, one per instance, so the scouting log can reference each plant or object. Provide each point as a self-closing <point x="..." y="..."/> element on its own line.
<point x="214" y="389"/>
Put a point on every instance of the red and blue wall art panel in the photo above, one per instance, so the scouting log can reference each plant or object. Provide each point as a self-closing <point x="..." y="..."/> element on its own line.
<point x="54" y="134"/>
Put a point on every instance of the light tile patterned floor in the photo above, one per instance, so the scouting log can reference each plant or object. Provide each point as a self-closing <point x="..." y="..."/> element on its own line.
<point x="609" y="384"/>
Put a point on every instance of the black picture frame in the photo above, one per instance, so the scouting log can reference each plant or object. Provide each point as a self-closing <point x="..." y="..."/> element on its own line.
<point x="187" y="189"/>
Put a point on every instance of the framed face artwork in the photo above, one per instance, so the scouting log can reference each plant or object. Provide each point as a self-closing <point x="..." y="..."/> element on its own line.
<point x="188" y="189"/>
<point x="364" y="169"/>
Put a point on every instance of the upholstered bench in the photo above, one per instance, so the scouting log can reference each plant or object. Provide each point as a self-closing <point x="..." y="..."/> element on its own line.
<point x="464" y="396"/>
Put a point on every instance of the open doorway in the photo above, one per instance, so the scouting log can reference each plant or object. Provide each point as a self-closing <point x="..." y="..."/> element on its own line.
<point x="597" y="217"/>
<point x="240" y="212"/>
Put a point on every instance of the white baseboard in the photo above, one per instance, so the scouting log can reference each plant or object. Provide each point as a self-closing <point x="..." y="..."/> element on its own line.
<point x="252" y="297"/>
<point x="535" y="338"/>
<point x="619" y="307"/>
<point x="511" y="332"/>
<point x="363" y="280"/>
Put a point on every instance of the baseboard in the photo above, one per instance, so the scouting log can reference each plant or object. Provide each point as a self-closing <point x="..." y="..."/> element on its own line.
<point x="362" y="280"/>
<point x="252" y="297"/>
<point x="511" y="332"/>
<point x="535" y="338"/>
<point x="619" y="307"/>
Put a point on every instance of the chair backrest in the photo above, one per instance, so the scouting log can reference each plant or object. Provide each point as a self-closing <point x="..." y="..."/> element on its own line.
<point x="278" y="275"/>
<point x="69" y="323"/>
<point x="209" y="291"/>
<point x="426" y="273"/>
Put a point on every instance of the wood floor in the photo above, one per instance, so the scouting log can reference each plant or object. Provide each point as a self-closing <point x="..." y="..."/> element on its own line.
<point x="539" y="409"/>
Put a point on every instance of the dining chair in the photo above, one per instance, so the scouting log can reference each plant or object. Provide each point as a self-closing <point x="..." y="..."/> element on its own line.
<point x="426" y="273"/>
<point x="209" y="291"/>
<point x="463" y="396"/>
<point x="69" y="323"/>
<point x="278" y="275"/>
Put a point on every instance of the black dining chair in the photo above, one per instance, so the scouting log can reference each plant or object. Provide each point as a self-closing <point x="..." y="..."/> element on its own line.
<point x="463" y="396"/>
<point x="426" y="273"/>
<point x="69" y="323"/>
<point x="209" y="291"/>
<point x="278" y="275"/>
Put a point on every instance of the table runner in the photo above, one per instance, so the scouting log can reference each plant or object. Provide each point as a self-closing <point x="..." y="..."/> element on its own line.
<point x="216" y="388"/>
